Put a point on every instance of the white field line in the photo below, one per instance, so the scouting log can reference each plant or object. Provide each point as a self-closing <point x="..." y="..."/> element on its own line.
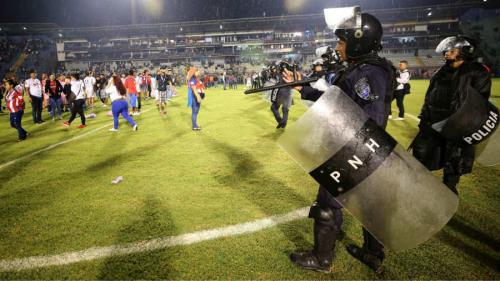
<point x="2" y="166"/>
<point x="151" y="245"/>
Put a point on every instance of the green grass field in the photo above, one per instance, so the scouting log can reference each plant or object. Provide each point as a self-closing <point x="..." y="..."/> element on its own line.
<point x="177" y="181"/>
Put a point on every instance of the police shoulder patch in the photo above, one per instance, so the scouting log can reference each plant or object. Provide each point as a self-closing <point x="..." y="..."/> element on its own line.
<point x="363" y="89"/>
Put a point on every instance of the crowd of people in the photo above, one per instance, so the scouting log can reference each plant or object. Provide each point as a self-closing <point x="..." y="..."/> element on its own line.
<point x="79" y="96"/>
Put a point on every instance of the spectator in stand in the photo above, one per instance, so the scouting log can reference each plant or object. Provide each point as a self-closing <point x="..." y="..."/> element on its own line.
<point x="131" y="87"/>
<point x="15" y="104"/>
<point x="54" y="89"/>
<point x="194" y="98"/>
<point x="119" y="105"/>
<point x="77" y="100"/>
<point x="34" y="88"/>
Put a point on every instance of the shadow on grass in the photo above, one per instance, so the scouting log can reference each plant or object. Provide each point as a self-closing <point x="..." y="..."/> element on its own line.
<point x="475" y="253"/>
<point x="259" y="187"/>
<point x="460" y="226"/>
<point x="155" y="221"/>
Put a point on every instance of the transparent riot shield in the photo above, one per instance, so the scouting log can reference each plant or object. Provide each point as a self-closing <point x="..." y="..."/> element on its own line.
<point x="474" y="122"/>
<point x="394" y="196"/>
<point x="488" y="152"/>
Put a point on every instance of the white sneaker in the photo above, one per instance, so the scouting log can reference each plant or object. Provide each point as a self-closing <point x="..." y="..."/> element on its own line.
<point x="399" y="119"/>
<point x="135" y="128"/>
<point x="113" y="130"/>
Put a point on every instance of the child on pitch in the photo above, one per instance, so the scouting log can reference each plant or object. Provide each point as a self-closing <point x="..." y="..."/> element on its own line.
<point x="15" y="104"/>
<point x="119" y="105"/>
<point x="131" y="87"/>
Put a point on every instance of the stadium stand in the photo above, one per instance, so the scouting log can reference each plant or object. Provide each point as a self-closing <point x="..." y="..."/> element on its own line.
<point x="241" y="45"/>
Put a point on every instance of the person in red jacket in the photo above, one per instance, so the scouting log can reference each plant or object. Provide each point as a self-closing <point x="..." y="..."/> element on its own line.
<point x="15" y="104"/>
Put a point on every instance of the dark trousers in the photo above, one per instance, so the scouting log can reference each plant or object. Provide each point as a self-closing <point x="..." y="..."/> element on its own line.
<point x="399" y="96"/>
<point x="370" y="244"/>
<point x="275" y="109"/>
<point x="195" y="109"/>
<point x="55" y="104"/>
<point x="77" y="107"/>
<point x="37" y="106"/>
<point x="15" y="122"/>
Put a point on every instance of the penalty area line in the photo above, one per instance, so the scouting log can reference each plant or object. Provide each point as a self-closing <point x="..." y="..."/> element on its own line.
<point x="151" y="245"/>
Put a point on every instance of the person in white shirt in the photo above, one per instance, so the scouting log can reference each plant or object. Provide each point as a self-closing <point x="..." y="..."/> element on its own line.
<point x="77" y="100"/>
<point x="119" y="105"/>
<point x="403" y="88"/>
<point x="89" y="83"/>
<point x="34" y="88"/>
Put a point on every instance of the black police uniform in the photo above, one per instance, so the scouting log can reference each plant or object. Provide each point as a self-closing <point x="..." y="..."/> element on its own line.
<point x="446" y="90"/>
<point x="367" y="82"/>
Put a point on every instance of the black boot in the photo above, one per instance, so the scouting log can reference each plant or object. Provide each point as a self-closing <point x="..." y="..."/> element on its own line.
<point x="365" y="257"/>
<point x="321" y="257"/>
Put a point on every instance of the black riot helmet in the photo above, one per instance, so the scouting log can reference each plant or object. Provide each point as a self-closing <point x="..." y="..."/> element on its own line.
<point x="465" y="45"/>
<point x="364" y="39"/>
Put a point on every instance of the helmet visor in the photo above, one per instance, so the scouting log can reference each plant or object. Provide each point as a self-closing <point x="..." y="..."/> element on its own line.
<point x="343" y="18"/>
<point x="450" y="43"/>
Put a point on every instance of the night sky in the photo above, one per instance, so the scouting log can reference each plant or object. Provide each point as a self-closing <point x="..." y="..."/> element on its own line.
<point x="84" y="13"/>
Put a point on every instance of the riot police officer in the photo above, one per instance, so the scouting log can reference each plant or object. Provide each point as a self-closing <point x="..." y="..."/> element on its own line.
<point x="367" y="79"/>
<point x="446" y="93"/>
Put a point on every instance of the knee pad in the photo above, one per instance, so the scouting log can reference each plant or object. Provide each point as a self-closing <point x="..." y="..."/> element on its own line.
<point x="322" y="214"/>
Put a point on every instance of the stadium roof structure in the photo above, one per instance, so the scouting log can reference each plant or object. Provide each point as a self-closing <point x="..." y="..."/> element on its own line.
<point x="313" y="22"/>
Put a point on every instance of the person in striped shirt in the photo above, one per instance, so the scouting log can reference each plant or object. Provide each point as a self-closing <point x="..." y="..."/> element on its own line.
<point x="15" y="104"/>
